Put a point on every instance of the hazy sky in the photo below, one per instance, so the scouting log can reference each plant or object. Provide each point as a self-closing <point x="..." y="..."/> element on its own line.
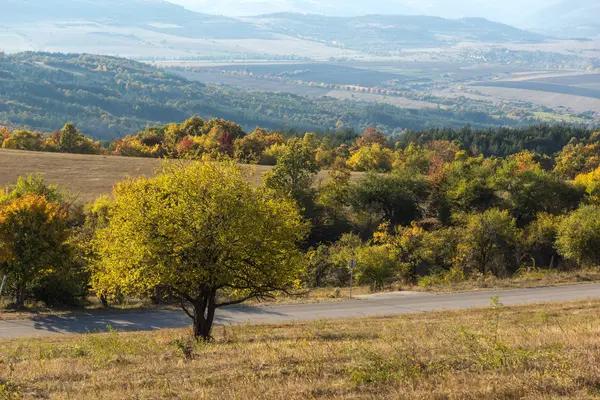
<point x="510" y="11"/>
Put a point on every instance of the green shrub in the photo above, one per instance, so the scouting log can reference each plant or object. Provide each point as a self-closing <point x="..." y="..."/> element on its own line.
<point x="579" y="236"/>
<point x="61" y="289"/>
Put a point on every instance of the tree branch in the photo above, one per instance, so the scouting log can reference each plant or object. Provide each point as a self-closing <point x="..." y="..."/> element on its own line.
<point x="238" y="301"/>
<point x="189" y="314"/>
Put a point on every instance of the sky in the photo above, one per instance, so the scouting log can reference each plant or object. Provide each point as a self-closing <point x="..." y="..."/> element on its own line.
<point x="507" y="11"/>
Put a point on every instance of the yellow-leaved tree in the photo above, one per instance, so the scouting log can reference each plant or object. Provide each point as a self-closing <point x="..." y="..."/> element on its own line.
<point x="33" y="234"/>
<point x="204" y="234"/>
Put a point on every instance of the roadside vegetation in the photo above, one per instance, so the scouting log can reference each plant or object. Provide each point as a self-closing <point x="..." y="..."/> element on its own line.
<point x="531" y="352"/>
<point x="203" y="233"/>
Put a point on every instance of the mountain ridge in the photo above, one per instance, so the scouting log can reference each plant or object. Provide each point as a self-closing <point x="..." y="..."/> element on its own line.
<point x="142" y="28"/>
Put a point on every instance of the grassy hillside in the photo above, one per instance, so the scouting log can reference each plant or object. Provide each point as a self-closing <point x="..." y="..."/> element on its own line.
<point x="108" y="97"/>
<point x="86" y="176"/>
<point x="532" y="352"/>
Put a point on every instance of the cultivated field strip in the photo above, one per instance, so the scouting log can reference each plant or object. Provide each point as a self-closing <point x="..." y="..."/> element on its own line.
<point x="87" y="176"/>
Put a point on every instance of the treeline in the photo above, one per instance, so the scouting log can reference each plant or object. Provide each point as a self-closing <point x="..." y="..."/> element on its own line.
<point x="566" y="150"/>
<point x="108" y="97"/>
<point x="501" y="142"/>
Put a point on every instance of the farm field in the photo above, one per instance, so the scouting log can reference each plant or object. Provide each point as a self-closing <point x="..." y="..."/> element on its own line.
<point x="589" y="48"/>
<point x="526" y="352"/>
<point x="313" y="72"/>
<point x="86" y="176"/>
<point x="576" y="104"/>
<point x="544" y="87"/>
<point x="526" y="89"/>
<point x="572" y="80"/>
<point x="377" y="98"/>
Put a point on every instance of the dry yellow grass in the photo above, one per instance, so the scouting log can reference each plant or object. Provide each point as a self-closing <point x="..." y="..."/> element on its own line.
<point x="530" y="352"/>
<point x="85" y="176"/>
<point x="524" y="279"/>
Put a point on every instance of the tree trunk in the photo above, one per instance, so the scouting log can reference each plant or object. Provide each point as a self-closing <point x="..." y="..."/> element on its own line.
<point x="204" y="315"/>
<point x="104" y="301"/>
<point x="20" y="294"/>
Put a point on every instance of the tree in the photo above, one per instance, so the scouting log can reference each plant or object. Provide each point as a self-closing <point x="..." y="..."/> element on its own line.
<point x="69" y="139"/>
<point x="415" y="158"/>
<point x="590" y="183"/>
<point x="394" y="197"/>
<point x="532" y="191"/>
<point x="63" y="282"/>
<point x="33" y="234"/>
<point x="578" y="237"/>
<point x="203" y="233"/>
<point x="294" y="174"/>
<point x="538" y="241"/>
<point x="372" y="158"/>
<point x="463" y="186"/>
<point x="488" y="243"/>
<point x="405" y="245"/>
<point x="370" y="137"/>
<point x="34" y="184"/>
<point x="23" y="140"/>
<point x="377" y="265"/>
<point x="4" y="134"/>
<point x="578" y="157"/>
<point x="319" y="266"/>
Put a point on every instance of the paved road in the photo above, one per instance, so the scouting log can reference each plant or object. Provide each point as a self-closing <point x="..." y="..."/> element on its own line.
<point x="382" y="304"/>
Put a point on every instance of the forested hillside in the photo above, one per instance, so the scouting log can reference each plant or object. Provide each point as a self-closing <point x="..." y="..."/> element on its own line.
<point x="109" y="97"/>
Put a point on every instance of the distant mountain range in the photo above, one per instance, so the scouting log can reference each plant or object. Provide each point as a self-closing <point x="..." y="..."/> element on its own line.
<point x="155" y="28"/>
<point x="568" y="18"/>
<point x="374" y="30"/>
<point x="324" y="7"/>
<point x="563" y="18"/>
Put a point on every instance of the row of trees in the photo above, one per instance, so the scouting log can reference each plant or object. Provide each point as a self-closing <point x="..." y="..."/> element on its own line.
<point x="67" y="140"/>
<point x="565" y="151"/>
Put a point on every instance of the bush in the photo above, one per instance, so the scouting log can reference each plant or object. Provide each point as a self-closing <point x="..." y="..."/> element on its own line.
<point x="488" y="243"/>
<point x="537" y="244"/>
<point x="579" y="236"/>
<point x="61" y="289"/>
<point x="394" y="197"/>
<point x="379" y="265"/>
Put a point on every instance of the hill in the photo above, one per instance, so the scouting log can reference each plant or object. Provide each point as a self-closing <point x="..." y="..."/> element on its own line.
<point x="390" y="32"/>
<point x="151" y="15"/>
<point x="323" y="7"/>
<point x="159" y="29"/>
<point x="108" y="97"/>
<point x="569" y="18"/>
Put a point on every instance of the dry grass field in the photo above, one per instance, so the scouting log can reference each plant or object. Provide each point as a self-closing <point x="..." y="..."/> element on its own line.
<point x="85" y="176"/>
<point x="576" y="104"/>
<point x="530" y="352"/>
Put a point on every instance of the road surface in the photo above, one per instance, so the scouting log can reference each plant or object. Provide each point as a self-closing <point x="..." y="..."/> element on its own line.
<point x="373" y="305"/>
